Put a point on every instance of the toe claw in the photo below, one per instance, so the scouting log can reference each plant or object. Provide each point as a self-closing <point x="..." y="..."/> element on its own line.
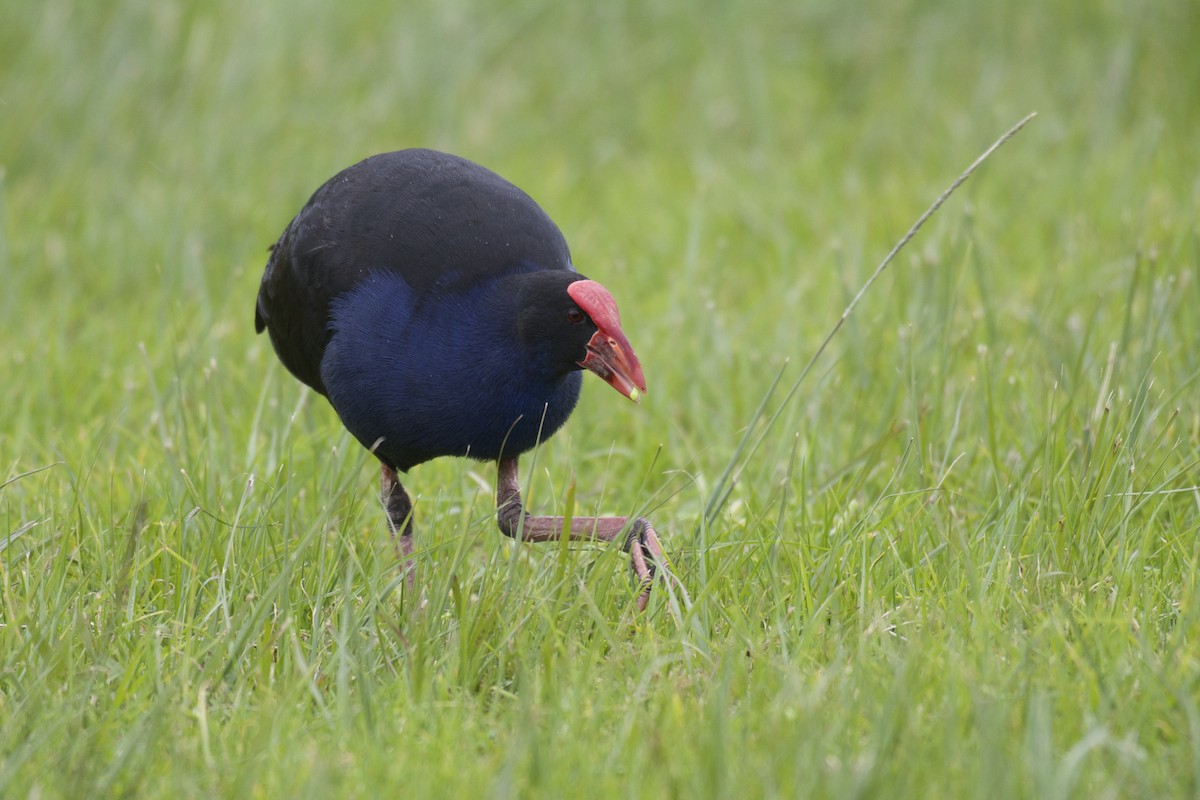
<point x="645" y="553"/>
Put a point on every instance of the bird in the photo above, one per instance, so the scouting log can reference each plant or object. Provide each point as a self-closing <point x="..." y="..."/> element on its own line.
<point x="435" y="305"/>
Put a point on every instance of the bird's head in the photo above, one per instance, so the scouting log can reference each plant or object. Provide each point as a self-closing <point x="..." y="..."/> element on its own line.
<point x="577" y="325"/>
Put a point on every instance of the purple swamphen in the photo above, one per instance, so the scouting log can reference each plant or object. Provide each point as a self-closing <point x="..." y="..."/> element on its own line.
<point x="435" y="305"/>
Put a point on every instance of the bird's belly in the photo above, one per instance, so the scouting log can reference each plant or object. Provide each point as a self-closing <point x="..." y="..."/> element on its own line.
<point x="411" y="384"/>
<point x="408" y="427"/>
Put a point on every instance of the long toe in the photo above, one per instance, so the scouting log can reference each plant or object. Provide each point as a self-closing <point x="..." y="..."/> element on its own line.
<point x="645" y="554"/>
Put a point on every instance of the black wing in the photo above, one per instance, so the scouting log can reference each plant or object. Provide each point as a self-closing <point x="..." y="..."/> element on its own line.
<point x="433" y="218"/>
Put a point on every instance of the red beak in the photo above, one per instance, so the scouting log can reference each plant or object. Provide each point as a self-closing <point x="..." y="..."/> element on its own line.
<point x="610" y="356"/>
<point x="609" y="353"/>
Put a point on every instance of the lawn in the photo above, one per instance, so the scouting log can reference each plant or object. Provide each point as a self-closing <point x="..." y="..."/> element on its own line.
<point x="957" y="559"/>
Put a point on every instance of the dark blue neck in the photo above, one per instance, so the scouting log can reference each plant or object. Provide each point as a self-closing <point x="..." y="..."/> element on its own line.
<point x="441" y="374"/>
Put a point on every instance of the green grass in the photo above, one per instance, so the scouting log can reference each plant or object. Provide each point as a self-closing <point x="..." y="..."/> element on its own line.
<point x="962" y="563"/>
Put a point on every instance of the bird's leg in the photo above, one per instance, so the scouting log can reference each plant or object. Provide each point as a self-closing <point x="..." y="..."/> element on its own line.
<point x="399" y="513"/>
<point x="641" y="542"/>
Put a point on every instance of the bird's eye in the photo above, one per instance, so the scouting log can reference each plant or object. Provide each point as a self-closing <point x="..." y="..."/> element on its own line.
<point x="574" y="316"/>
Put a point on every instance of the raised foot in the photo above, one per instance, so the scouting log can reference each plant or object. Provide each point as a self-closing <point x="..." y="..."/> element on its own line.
<point x="641" y="542"/>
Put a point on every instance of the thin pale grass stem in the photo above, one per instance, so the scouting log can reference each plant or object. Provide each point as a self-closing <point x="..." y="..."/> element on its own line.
<point x="722" y="489"/>
<point x="27" y="473"/>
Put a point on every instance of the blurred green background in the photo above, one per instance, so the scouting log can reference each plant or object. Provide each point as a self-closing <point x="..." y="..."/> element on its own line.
<point x="961" y="564"/>
<point x="690" y="152"/>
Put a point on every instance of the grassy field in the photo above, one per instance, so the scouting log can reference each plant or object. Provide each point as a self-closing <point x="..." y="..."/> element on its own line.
<point x="961" y="562"/>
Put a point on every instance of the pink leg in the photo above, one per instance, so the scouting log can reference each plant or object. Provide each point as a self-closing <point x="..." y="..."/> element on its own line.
<point x="399" y="513"/>
<point x="641" y="542"/>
